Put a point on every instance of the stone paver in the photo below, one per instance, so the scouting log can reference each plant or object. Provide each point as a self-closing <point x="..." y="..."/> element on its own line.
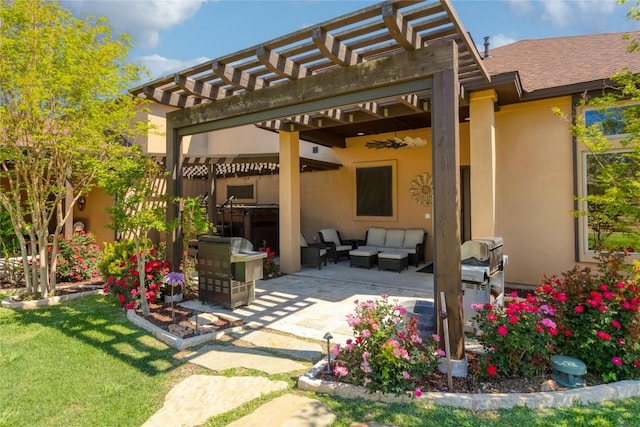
<point x="220" y="357"/>
<point x="282" y="344"/>
<point x="288" y="410"/>
<point x="199" y="397"/>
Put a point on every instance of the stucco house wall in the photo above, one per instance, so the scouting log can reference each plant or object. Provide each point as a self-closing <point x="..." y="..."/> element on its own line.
<point x="534" y="187"/>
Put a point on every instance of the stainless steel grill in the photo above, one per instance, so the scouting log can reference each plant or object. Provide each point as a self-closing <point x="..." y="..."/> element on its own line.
<point x="485" y="251"/>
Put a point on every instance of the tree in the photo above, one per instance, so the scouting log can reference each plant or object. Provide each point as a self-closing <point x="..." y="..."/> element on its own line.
<point x="64" y="115"/>
<point x="135" y="183"/>
<point x="613" y="178"/>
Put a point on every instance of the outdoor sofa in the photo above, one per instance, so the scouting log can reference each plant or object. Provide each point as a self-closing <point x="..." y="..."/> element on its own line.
<point x="411" y="241"/>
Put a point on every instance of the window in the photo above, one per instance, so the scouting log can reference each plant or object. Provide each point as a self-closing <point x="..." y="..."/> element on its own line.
<point x="375" y="191"/>
<point x="607" y="224"/>
<point x="243" y="192"/>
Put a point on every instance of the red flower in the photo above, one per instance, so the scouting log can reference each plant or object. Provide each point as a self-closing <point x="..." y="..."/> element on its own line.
<point x="492" y="370"/>
<point x="579" y="309"/>
<point x="513" y="319"/>
<point x="615" y="324"/>
<point x="568" y="333"/>
<point x="502" y="330"/>
<point x="603" y="335"/>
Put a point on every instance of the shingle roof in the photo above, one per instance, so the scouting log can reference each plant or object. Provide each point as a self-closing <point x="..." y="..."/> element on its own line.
<point x="564" y="61"/>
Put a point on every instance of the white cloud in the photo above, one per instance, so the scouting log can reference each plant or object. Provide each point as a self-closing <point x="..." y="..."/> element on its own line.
<point x="141" y="19"/>
<point x="591" y="16"/>
<point x="588" y="15"/>
<point x="160" y="66"/>
<point x="498" y="40"/>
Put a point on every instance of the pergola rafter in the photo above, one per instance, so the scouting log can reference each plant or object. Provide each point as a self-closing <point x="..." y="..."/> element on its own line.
<point x="364" y="35"/>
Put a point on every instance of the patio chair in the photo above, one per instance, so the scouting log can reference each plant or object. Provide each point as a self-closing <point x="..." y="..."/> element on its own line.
<point x="312" y="254"/>
<point x="336" y="247"/>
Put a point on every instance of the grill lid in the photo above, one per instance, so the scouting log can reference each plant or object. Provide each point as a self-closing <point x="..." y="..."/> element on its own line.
<point x="480" y="250"/>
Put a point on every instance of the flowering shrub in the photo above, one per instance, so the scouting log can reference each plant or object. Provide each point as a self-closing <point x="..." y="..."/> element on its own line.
<point x="590" y="316"/>
<point x="386" y="355"/>
<point x="516" y="338"/>
<point x="120" y="269"/>
<point x="77" y="258"/>
<point x="270" y="268"/>
<point x="599" y="314"/>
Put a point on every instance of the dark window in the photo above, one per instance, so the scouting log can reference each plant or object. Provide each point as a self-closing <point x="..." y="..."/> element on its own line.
<point x="240" y="191"/>
<point x="374" y="187"/>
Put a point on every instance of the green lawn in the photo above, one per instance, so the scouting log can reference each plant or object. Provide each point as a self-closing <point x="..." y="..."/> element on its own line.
<point x="84" y="364"/>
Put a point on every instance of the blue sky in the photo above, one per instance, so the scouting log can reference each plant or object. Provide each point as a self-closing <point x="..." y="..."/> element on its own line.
<point x="170" y="35"/>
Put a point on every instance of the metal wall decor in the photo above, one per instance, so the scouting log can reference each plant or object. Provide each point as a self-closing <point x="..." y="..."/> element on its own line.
<point x="395" y="142"/>
<point x="421" y="189"/>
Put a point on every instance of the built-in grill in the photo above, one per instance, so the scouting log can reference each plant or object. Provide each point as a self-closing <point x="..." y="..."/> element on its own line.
<point x="227" y="270"/>
<point x="485" y="252"/>
<point x="482" y="274"/>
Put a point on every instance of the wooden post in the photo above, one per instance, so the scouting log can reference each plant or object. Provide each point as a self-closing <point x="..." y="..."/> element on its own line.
<point x="446" y="204"/>
<point x="174" y="189"/>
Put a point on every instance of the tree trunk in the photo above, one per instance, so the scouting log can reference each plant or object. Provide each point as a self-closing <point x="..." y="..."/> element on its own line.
<point x="144" y="304"/>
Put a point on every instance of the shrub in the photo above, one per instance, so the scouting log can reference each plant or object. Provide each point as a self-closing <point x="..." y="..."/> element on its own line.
<point x="516" y="338"/>
<point x="77" y="258"/>
<point x="270" y="268"/>
<point x="120" y="269"/>
<point x="599" y="315"/>
<point x="386" y="355"/>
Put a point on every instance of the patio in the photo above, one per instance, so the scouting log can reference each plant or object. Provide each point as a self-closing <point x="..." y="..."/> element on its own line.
<point x="311" y="302"/>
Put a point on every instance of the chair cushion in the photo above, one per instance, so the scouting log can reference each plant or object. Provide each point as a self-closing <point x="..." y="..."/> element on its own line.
<point x="340" y="248"/>
<point x="330" y="235"/>
<point x="392" y="255"/>
<point x="303" y="241"/>
<point x="394" y="238"/>
<point x="323" y="252"/>
<point x="376" y="236"/>
<point x="412" y="238"/>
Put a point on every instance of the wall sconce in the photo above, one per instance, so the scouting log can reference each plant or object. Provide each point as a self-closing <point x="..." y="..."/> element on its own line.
<point x="82" y="202"/>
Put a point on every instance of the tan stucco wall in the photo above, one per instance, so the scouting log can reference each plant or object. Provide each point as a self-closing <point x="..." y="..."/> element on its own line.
<point x="95" y="217"/>
<point x="534" y="189"/>
<point x="534" y="186"/>
<point x="328" y="197"/>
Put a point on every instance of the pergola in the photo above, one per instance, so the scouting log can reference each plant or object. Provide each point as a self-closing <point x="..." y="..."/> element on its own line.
<point x="391" y="66"/>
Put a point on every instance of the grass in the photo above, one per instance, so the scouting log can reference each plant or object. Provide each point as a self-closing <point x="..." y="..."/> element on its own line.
<point x="84" y="364"/>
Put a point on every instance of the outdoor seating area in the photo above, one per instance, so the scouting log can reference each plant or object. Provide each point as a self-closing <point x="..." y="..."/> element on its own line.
<point x="388" y="249"/>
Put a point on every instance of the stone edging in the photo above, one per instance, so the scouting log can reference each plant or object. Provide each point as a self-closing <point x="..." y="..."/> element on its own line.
<point x="173" y="340"/>
<point x="43" y="302"/>
<point x="478" y="401"/>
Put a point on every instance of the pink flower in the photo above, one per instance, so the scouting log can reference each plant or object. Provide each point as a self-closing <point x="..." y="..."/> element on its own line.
<point x="579" y="309"/>
<point x="340" y="371"/>
<point x="562" y="297"/>
<point x="603" y="335"/>
<point x="405" y="375"/>
<point x="502" y="330"/>
<point x="400" y="309"/>
<point x="548" y="323"/>
<point x="615" y="324"/>
<point x="616" y="361"/>
<point x="491" y="317"/>
<point x="366" y="333"/>
<point x="436" y="337"/>
<point x="417" y="392"/>
<point x="440" y="352"/>
<point x="335" y="350"/>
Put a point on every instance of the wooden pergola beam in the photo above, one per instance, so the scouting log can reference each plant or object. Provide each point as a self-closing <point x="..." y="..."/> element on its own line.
<point x="334" y="49"/>
<point x="400" y="29"/>
<point x="237" y="78"/>
<point x="280" y="64"/>
<point x="201" y="89"/>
